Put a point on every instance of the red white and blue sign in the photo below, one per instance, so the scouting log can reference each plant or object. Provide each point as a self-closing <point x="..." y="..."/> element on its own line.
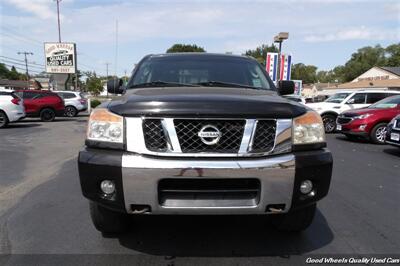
<point x="286" y="63"/>
<point x="272" y="65"/>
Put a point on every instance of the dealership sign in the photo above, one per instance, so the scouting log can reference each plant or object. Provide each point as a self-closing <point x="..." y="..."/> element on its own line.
<point x="60" y="57"/>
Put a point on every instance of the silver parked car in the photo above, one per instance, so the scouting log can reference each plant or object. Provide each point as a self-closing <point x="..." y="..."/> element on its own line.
<point x="75" y="102"/>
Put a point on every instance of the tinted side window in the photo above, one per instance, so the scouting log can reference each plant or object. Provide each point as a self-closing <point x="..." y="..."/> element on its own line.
<point x="29" y="94"/>
<point x="374" y="97"/>
<point x="67" y="95"/>
<point x="358" y="98"/>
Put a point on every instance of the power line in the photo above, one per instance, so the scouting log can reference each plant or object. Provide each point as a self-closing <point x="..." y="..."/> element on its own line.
<point x="19" y="60"/>
<point x="20" y="64"/>
<point x="26" y="61"/>
<point x="20" y="68"/>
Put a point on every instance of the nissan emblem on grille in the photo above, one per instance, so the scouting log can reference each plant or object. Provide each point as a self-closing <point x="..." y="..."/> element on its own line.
<point x="209" y="135"/>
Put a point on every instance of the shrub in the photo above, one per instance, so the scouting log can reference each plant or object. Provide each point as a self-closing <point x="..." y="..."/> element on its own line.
<point x="94" y="103"/>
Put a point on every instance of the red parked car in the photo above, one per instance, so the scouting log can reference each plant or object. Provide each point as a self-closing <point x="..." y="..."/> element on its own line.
<point x="44" y="104"/>
<point x="369" y="122"/>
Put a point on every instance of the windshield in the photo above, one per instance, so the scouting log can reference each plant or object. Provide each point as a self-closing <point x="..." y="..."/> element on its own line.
<point x="390" y="102"/>
<point x="200" y="70"/>
<point x="337" y="97"/>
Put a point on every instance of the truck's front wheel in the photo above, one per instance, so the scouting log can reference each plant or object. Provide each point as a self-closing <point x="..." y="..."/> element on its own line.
<point x="295" y="221"/>
<point x="107" y="221"/>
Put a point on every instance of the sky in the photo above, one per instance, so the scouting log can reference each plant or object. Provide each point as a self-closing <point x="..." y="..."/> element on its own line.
<point x="322" y="33"/>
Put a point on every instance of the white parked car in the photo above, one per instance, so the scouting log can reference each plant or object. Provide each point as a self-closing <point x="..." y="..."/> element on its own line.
<point x="11" y="107"/>
<point x="347" y="100"/>
<point x="74" y="101"/>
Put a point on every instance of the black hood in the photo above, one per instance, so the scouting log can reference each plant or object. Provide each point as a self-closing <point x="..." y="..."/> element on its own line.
<point x="205" y="102"/>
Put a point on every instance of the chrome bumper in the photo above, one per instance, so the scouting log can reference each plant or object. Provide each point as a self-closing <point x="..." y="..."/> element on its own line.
<point x="141" y="176"/>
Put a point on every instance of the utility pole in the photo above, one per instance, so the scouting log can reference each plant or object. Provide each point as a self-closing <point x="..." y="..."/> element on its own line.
<point x="58" y="19"/>
<point x="26" y="65"/>
<point x="107" y="64"/>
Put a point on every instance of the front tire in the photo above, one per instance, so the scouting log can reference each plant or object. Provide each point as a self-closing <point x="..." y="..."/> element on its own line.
<point x="47" y="115"/>
<point x="378" y="133"/>
<point x="70" y="111"/>
<point x="3" y="119"/>
<point x="329" y="123"/>
<point x="295" y="221"/>
<point x="107" y="221"/>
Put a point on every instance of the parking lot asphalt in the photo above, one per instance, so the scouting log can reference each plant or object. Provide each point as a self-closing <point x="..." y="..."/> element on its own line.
<point x="42" y="210"/>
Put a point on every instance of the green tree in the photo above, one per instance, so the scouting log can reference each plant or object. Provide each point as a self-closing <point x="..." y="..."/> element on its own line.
<point x="306" y="73"/>
<point x="362" y="60"/>
<point x="4" y="72"/>
<point x="393" y="55"/>
<point x="14" y="75"/>
<point x="94" y="83"/>
<point x="185" y="48"/>
<point x="260" y="53"/>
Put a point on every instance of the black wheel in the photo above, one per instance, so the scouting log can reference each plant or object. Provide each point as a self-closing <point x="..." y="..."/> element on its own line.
<point x="329" y="123"/>
<point x="295" y="221"/>
<point x="70" y="111"/>
<point x="378" y="133"/>
<point x="47" y="115"/>
<point x="3" y="119"/>
<point x="107" y="221"/>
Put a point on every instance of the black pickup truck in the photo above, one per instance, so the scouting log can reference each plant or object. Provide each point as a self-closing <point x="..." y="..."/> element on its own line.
<point x="203" y="134"/>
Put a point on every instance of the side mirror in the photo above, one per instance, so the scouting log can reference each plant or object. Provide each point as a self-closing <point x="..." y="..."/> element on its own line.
<point x="115" y="86"/>
<point x="351" y="101"/>
<point x="285" y="87"/>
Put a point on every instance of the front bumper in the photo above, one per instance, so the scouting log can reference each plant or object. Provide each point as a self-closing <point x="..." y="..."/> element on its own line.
<point x="137" y="179"/>
<point x="388" y="139"/>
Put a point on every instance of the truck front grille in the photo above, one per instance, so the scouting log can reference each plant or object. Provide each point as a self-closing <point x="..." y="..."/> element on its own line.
<point x="264" y="138"/>
<point x="154" y="135"/>
<point x="208" y="137"/>
<point x="231" y="135"/>
<point x="208" y="192"/>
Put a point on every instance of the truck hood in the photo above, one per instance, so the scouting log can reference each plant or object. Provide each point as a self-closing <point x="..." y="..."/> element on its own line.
<point x="205" y="102"/>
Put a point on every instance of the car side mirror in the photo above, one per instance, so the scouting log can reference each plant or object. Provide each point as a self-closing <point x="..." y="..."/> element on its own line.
<point x="285" y="87"/>
<point x="351" y="101"/>
<point x="115" y="86"/>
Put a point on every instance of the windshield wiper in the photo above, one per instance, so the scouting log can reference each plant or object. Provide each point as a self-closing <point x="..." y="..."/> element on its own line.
<point x="226" y="84"/>
<point x="159" y="83"/>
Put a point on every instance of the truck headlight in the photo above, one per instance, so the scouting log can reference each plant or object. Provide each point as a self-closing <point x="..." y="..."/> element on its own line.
<point x="308" y="129"/>
<point x="105" y="126"/>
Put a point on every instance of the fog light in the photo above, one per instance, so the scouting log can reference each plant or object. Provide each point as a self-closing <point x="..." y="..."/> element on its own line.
<point x="108" y="187"/>
<point x="306" y="186"/>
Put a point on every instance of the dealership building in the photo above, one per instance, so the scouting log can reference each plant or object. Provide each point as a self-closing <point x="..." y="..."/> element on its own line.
<point x="386" y="78"/>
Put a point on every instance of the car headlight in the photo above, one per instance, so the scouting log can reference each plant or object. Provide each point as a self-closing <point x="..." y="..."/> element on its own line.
<point x="105" y="126"/>
<point x="362" y="116"/>
<point x="308" y="129"/>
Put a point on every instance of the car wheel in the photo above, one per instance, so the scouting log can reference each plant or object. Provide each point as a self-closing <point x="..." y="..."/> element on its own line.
<point x="47" y="115"/>
<point x="3" y="119"/>
<point x="295" y="221"/>
<point x="378" y="133"/>
<point x="107" y="221"/>
<point x="70" y="111"/>
<point x="329" y="123"/>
